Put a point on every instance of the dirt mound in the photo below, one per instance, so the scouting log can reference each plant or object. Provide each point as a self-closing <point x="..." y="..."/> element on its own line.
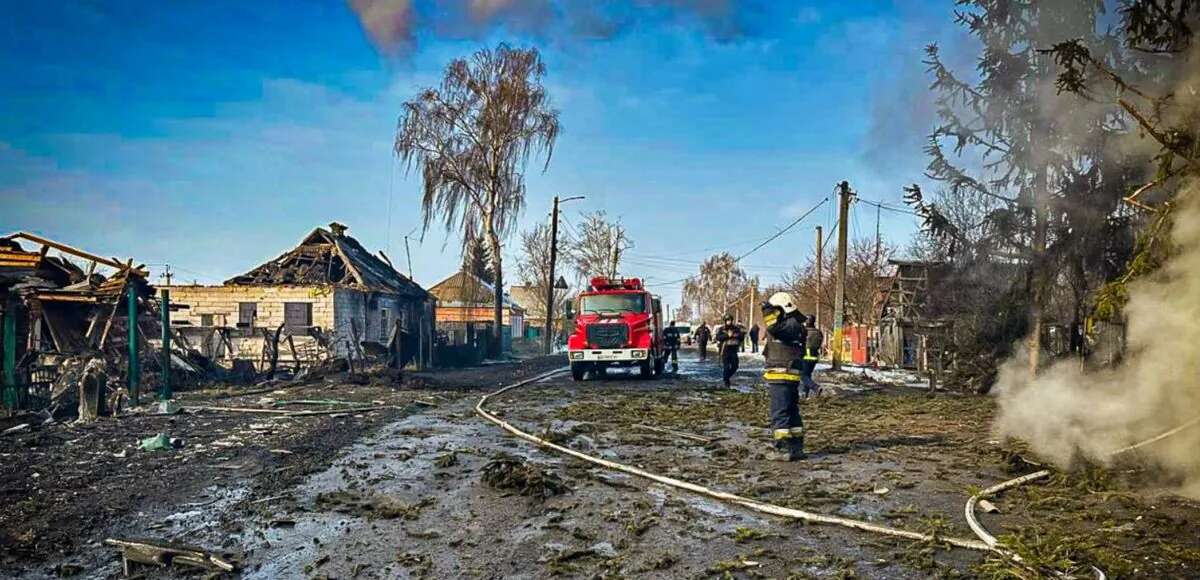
<point x="508" y="472"/>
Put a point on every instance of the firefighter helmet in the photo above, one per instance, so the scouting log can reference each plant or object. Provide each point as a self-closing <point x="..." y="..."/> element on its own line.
<point x="784" y="301"/>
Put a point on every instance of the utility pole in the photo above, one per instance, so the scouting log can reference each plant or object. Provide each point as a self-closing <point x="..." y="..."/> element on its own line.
<point x="547" y="339"/>
<point x="820" y="267"/>
<point x="753" y="295"/>
<point x="167" y="273"/>
<point x="878" y="240"/>
<point x="839" y="299"/>
<point x="408" y="253"/>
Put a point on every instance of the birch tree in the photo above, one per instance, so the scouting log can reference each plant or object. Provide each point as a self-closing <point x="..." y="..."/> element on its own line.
<point x="470" y="139"/>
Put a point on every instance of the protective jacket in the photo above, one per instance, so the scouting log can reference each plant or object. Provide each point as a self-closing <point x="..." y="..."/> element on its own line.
<point x="784" y="349"/>
<point x="730" y="336"/>
<point x="781" y="361"/>
<point x="671" y="337"/>
<point x="813" y="341"/>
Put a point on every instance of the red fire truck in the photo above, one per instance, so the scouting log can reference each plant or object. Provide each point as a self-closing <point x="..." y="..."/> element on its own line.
<point x="618" y="323"/>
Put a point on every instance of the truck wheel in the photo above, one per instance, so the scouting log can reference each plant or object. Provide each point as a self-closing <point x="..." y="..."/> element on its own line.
<point x="647" y="371"/>
<point x="578" y="371"/>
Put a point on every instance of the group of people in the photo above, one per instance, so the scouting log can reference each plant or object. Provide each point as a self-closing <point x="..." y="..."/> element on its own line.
<point x="793" y="346"/>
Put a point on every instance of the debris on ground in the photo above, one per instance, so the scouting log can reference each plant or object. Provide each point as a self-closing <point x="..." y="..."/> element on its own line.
<point x="370" y="505"/>
<point x="160" y="442"/>
<point x="166" y="554"/>
<point x="527" y="479"/>
<point x="15" y="429"/>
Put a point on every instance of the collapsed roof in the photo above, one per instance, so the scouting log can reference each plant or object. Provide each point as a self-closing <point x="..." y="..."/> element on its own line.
<point x="329" y="256"/>
<point x="57" y="277"/>
<point x="465" y="289"/>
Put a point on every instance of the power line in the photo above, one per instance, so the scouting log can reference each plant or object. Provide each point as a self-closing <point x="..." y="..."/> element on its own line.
<point x="886" y="207"/>
<point x="783" y="231"/>
<point x="760" y="245"/>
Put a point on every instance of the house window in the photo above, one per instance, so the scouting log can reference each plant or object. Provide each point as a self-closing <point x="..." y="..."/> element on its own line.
<point x="247" y="311"/>
<point x="385" y="324"/>
<point x="206" y="320"/>
<point x="297" y="314"/>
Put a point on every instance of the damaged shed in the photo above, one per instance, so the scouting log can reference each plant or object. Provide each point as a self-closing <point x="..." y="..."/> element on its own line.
<point x="55" y="315"/>
<point x="326" y="298"/>
<point x="907" y="333"/>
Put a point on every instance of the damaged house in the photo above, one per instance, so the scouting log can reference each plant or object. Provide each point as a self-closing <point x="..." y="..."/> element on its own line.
<point x="60" y="312"/>
<point x="466" y="312"/>
<point x="907" y="333"/>
<point x="326" y="298"/>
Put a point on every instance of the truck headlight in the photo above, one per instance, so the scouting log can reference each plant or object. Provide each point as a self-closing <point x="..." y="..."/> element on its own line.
<point x="576" y="355"/>
<point x="638" y="354"/>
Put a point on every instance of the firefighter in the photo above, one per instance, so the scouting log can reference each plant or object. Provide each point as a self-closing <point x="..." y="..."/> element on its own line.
<point x="783" y="356"/>
<point x="671" y="342"/>
<point x="753" y="338"/>
<point x="729" y="337"/>
<point x="812" y="352"/>
<point x="703" y="334"/>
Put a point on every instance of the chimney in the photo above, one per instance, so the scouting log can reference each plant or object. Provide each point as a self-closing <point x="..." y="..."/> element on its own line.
<point x="338" y="230"/>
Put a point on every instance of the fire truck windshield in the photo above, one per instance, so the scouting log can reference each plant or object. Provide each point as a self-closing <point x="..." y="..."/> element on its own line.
<point x="609" y="303"/>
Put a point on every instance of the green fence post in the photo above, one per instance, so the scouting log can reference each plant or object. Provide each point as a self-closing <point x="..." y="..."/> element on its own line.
<point x="10" y="358"/>
<point x="135" y="371"/>
<point x="164" y="391"/>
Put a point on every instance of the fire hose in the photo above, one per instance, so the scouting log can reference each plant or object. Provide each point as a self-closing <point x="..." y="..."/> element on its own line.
<point x="991" y="541"/>
<point x="986" y="542"/>
<point x="751" y="504"/>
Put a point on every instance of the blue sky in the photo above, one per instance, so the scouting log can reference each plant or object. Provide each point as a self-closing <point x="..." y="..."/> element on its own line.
<point x="213" y="135"/>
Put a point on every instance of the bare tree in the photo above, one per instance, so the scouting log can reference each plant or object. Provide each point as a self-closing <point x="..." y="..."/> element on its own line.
<point x="720" y="284"/>
<point x="470" y="138"/>
<point x="866" y="264"/>
<point x="533" y="267"/>
<point x="600" y="246"/>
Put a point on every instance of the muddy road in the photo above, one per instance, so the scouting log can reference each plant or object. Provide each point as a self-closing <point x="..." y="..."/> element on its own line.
<point x="410" y="496"/>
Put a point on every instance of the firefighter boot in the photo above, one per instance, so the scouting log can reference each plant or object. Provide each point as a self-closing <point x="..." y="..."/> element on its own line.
<point x="796" y="449"/>
<point x="780" y="452"/>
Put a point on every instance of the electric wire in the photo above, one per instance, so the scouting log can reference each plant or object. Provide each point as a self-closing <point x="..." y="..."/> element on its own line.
<point x="768" y="240"/>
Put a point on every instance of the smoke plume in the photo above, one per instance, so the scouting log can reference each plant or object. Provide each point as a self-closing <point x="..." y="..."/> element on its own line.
<point x="1067" y="414"/>
<point x="393" y="26"/>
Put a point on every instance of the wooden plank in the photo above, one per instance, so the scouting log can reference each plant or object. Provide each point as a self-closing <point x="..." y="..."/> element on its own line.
<point x="67" y="249"/>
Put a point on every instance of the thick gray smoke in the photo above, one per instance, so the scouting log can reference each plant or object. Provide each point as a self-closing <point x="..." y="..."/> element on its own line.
<point x="1066" y="413"/>
<point x="394" y="25"/>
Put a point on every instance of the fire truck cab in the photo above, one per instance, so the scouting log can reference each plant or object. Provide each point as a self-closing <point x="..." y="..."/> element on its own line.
<point x="618" y="323"/>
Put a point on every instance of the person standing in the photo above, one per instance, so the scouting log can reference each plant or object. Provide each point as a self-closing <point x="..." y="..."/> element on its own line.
<point x="812" y="353"/>
<point x="671" y="342"/>
<point x="703" y="335"/>
<point x="783" y="355"/>
<point x="754" y="338"/>
<point x="729" y="337"/>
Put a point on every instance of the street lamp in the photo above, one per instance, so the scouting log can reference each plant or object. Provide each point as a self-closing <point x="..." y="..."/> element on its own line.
<point x="551" y="284"/>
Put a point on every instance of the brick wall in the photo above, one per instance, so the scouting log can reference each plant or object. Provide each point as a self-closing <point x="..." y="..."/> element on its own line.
<point x="222" y="303"/>
<point x="338" y="311"/>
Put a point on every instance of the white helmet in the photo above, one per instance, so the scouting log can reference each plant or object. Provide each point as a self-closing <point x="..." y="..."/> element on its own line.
<point x="784" y="301"/>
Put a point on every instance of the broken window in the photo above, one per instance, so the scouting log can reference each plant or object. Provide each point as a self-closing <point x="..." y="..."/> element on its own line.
<point x="385" y="324"/>
<point x="247" y="311"/>
<point x="297" y="314"/>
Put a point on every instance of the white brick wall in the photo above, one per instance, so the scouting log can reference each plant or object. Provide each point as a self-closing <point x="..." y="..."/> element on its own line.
<point x="334" y="309"/>
<point x="222" y="302"/>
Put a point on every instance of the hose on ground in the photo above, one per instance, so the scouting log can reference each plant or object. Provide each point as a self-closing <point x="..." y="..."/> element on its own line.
<point x="748" y="503"/>
<point x="991" y="541"/>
